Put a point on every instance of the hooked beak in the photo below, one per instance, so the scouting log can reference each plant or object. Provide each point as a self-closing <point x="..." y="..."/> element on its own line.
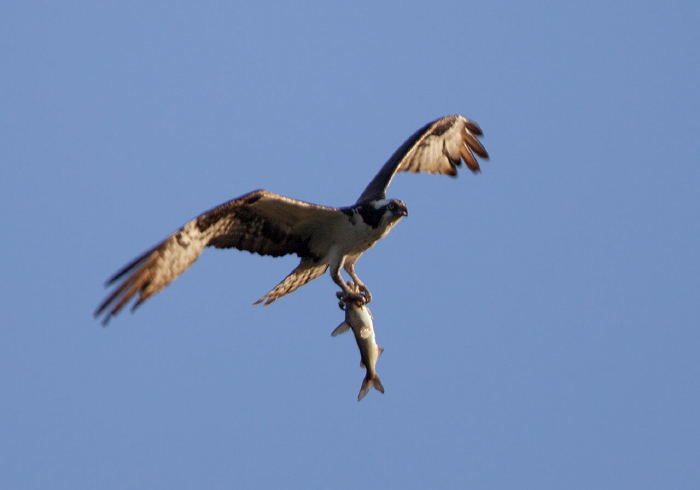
<point x="402" y="211"/>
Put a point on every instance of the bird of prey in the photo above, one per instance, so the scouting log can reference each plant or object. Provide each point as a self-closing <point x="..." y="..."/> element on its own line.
<point x="266" y="223"/>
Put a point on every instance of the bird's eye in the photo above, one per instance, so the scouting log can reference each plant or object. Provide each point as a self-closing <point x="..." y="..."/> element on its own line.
<point x="392" y="206"/>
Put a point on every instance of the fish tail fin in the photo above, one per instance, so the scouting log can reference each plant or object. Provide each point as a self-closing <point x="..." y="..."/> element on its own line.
<point x="378" y="384"/>
<point x="369" y="383"/>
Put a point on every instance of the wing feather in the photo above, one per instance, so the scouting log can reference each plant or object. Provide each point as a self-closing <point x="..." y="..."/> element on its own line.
<point x="259" y="222"/>
<point x="436" y="148"/>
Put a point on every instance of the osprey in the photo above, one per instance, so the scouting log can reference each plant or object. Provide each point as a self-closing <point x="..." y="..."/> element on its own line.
<point x="266" y="223"/>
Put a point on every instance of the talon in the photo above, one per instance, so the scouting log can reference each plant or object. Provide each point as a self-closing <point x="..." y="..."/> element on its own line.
<point x="355" y="298"/>
<point x="367" y="295"/>
<point x="354" y="293"/>
<point x="341" y="299"/>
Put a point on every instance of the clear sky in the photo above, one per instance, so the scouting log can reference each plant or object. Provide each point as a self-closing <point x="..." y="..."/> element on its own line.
<point x="539" y="320"/>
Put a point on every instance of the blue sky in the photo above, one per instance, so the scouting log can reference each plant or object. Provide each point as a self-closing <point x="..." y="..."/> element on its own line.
<point x="539" y="320"/>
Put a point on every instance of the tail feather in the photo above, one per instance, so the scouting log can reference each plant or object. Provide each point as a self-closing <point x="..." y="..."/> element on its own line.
<point x="306" y="271"/>
<point x="369" y="383"/>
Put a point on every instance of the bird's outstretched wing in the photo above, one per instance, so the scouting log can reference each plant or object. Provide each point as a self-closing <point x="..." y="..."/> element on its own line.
<point x="436" y="148"/>
<point x="260" y="222"/>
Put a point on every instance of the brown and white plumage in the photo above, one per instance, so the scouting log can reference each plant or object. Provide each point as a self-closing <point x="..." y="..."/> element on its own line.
<point x="266" y="223"/>
<point x="261" y="222"/>
<point x="436" y="148"/>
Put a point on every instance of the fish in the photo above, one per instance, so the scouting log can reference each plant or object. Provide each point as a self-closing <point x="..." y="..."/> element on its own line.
<point x="359" y="319"/>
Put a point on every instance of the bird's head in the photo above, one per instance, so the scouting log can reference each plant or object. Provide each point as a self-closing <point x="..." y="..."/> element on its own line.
<point x="380" y="213"/>
<point x="391" y="209"/>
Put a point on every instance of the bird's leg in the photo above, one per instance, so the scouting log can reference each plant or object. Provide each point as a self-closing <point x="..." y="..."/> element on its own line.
<point x="348" y="294"/>
<point x="359" y="285"/>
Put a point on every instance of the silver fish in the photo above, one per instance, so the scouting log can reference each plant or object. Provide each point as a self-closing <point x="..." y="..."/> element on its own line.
<point x="359" y="319"/>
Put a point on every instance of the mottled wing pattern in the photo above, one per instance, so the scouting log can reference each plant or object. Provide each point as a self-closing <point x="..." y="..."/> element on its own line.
<point x="260" y="222"/>
<point x="307" y="270"/>
<point x="154" y="270"/>
<point x="436" y="148"/>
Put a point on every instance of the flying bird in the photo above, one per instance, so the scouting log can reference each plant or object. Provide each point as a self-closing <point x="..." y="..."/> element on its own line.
<point x="266" y="223"/>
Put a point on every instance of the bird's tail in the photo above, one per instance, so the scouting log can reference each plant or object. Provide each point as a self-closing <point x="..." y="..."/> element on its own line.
<point x="369" y="383"/>
<point x="305" y="272"/>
